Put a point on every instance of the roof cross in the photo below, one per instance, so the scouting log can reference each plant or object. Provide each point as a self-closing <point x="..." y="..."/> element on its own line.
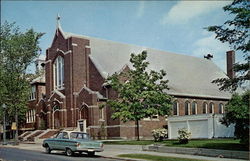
<point x="58" y="20"/>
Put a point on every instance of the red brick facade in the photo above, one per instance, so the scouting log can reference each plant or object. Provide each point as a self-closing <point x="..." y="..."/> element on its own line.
<point x="83" y="92"/>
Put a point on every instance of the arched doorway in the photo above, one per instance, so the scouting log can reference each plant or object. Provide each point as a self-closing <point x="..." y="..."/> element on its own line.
<point x="56" y="124"/>
<point x="84" y="114"/>
<point x="43" y="121"/>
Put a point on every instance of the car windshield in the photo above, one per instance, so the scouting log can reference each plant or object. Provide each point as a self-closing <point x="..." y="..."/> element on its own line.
<point x="79" y="135"/>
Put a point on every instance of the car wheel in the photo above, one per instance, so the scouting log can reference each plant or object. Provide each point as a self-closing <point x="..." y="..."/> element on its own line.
<point x="47" y="149"/>
<point x="91" y="153"/>
<point x="69" y="152"/>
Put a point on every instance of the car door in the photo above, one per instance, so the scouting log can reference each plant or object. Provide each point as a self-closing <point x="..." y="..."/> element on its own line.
<point x="64" y="141"/>
<point x="56" y="141"/>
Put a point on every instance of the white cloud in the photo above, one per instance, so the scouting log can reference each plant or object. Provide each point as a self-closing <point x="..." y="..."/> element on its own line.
<point x="184" y="11"/>
<point x="140" y="10"/>
<point x="209" y="45"/>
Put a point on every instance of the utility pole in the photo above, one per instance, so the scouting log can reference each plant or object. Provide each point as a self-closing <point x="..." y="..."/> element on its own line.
<point x="16" y="133"/>
<point x="4" y="125"/>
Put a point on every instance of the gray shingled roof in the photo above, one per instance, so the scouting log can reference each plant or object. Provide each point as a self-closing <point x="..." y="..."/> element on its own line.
<point x="187" y="75"/>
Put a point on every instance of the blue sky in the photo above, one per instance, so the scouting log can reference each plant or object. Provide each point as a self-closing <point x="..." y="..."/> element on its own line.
<point x="174" y="26"/>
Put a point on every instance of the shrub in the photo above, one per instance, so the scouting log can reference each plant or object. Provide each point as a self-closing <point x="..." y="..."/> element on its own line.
<point x="159" y="134"/>
<point x="184" y="135"/>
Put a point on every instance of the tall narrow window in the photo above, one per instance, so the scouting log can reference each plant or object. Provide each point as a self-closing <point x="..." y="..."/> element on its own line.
<point x="211" y="107"/>
<point x="58" y="72"/>
<point x="221" y="108"/>
<point x="194" y="108"/>
<point x="101" y="114"/>
<point x="33" y="93"/>
<point x="187" y="107"/>
<point x="204" y="110"/>
<point x="175" y="108"/>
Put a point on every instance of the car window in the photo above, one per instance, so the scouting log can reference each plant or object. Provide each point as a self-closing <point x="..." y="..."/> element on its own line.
<point x="77" y="135"/>
<point x="73" y="135"/>
<point x="60" y="135"/>
<point x="65" y="135"/>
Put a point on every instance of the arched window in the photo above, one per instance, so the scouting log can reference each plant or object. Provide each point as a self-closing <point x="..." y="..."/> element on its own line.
<point x="221" y="108"/>
<point x="176" y="108"/>
<point x="204" y="110"/>
<point x="58" y="72"/>
<point x="187" y="107"/>
<point x="194" y="108"/>
<point x="211" y="107"/>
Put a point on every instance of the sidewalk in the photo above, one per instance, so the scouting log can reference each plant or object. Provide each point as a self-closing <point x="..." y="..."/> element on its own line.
<point x="111" y="151"/>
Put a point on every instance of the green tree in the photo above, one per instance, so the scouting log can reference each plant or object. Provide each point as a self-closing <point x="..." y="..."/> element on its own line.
<point x="18" y="51"/>
<point x="236" y="32"/>
<point x="237" y="112"/>
<point x="141" y="93"/>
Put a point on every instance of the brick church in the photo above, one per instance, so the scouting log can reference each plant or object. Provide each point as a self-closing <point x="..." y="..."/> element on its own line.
<point x="73" y="86"/>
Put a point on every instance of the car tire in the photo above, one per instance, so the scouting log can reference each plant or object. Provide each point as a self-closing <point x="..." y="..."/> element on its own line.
<point x="47" y="149"/>
<point x="69" y="152"/>
<point x="91" y="153"/>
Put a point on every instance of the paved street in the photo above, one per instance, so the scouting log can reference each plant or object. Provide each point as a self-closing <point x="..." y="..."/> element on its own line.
<point x="13" y="154"/>
<point x="10" y="152"/>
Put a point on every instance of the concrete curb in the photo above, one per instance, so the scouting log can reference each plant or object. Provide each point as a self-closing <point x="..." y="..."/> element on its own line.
<point x="199" y="151"/>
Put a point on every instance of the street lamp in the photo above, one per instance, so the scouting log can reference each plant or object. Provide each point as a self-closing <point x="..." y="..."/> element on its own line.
<point x="4" y="125"/>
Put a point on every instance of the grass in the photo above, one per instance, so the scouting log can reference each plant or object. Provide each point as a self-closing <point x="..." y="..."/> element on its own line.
<point x="223" y="144"/>
<point x="155" y="158"/>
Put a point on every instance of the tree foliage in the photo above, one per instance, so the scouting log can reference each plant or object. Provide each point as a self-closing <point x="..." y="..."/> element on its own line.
<point x="141" y="93"/>
<point x="18" y="51"/>
<point x="236" y="33"/>
<point x="237" y="112"/>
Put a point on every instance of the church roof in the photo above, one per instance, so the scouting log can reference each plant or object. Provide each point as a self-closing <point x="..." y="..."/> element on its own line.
<point x="187" y="75"/>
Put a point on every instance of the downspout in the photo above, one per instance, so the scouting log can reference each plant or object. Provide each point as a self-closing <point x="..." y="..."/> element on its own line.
<point x="213" y="126"/>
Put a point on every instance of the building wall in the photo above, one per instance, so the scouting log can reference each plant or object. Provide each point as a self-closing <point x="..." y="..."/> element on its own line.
<point x="81" y="82"/>
<point x="181" y="102"/>
<point x="200" y="126"/>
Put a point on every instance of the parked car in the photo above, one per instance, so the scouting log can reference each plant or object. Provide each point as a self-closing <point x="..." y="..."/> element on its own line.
<point x="71" y="142"/>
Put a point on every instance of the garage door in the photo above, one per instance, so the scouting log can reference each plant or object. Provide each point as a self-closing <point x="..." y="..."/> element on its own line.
<point x="199" y="129"/>
<point x="175" y="126"/>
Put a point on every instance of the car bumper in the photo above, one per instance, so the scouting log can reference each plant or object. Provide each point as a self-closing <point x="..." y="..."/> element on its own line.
<point x="90" y="149"/>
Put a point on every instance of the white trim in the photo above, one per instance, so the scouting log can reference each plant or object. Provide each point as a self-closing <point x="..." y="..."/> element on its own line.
<point x="114" y="126"/>
<point x="55" y="91"/>
<point x="48" y="61"/>
<point x="67" y="52"/>
<point x="74" y="44"/>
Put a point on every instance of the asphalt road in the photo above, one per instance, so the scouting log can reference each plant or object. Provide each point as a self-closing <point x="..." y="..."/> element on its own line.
<point x="13" y="154"/>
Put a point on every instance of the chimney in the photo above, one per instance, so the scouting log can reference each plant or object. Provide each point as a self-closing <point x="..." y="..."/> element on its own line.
<point x="230" y="64"/>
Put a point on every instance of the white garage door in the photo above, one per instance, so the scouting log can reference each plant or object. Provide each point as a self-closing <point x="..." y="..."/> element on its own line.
<point x="175" y="126"/>
<point x="199" y="128"/>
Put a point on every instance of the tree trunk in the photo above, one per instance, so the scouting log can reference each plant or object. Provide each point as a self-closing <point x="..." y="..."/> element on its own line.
<point x="137" y="130"/>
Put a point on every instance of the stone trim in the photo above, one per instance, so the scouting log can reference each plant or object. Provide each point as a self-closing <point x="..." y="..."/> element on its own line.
<point x="114" y="126"/>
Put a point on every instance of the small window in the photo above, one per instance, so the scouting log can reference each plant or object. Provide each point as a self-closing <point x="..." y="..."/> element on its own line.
<point x="204" y="108"/>
<point x="175" y="108"/>
<point x="221" y="108"/>
<point x="33" y="93"/>
<point x="155" y="117"/>
<point x="194" y="108"/>
<point x="65" y="135"/>
<point x="59" y="136"/>
<point x="211" y="107"/>
<point x="187" y="107"/>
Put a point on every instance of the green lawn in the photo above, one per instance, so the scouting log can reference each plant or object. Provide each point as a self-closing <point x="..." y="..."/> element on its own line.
<point x="155" y="158"/>
<point x="225" y="144"/>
